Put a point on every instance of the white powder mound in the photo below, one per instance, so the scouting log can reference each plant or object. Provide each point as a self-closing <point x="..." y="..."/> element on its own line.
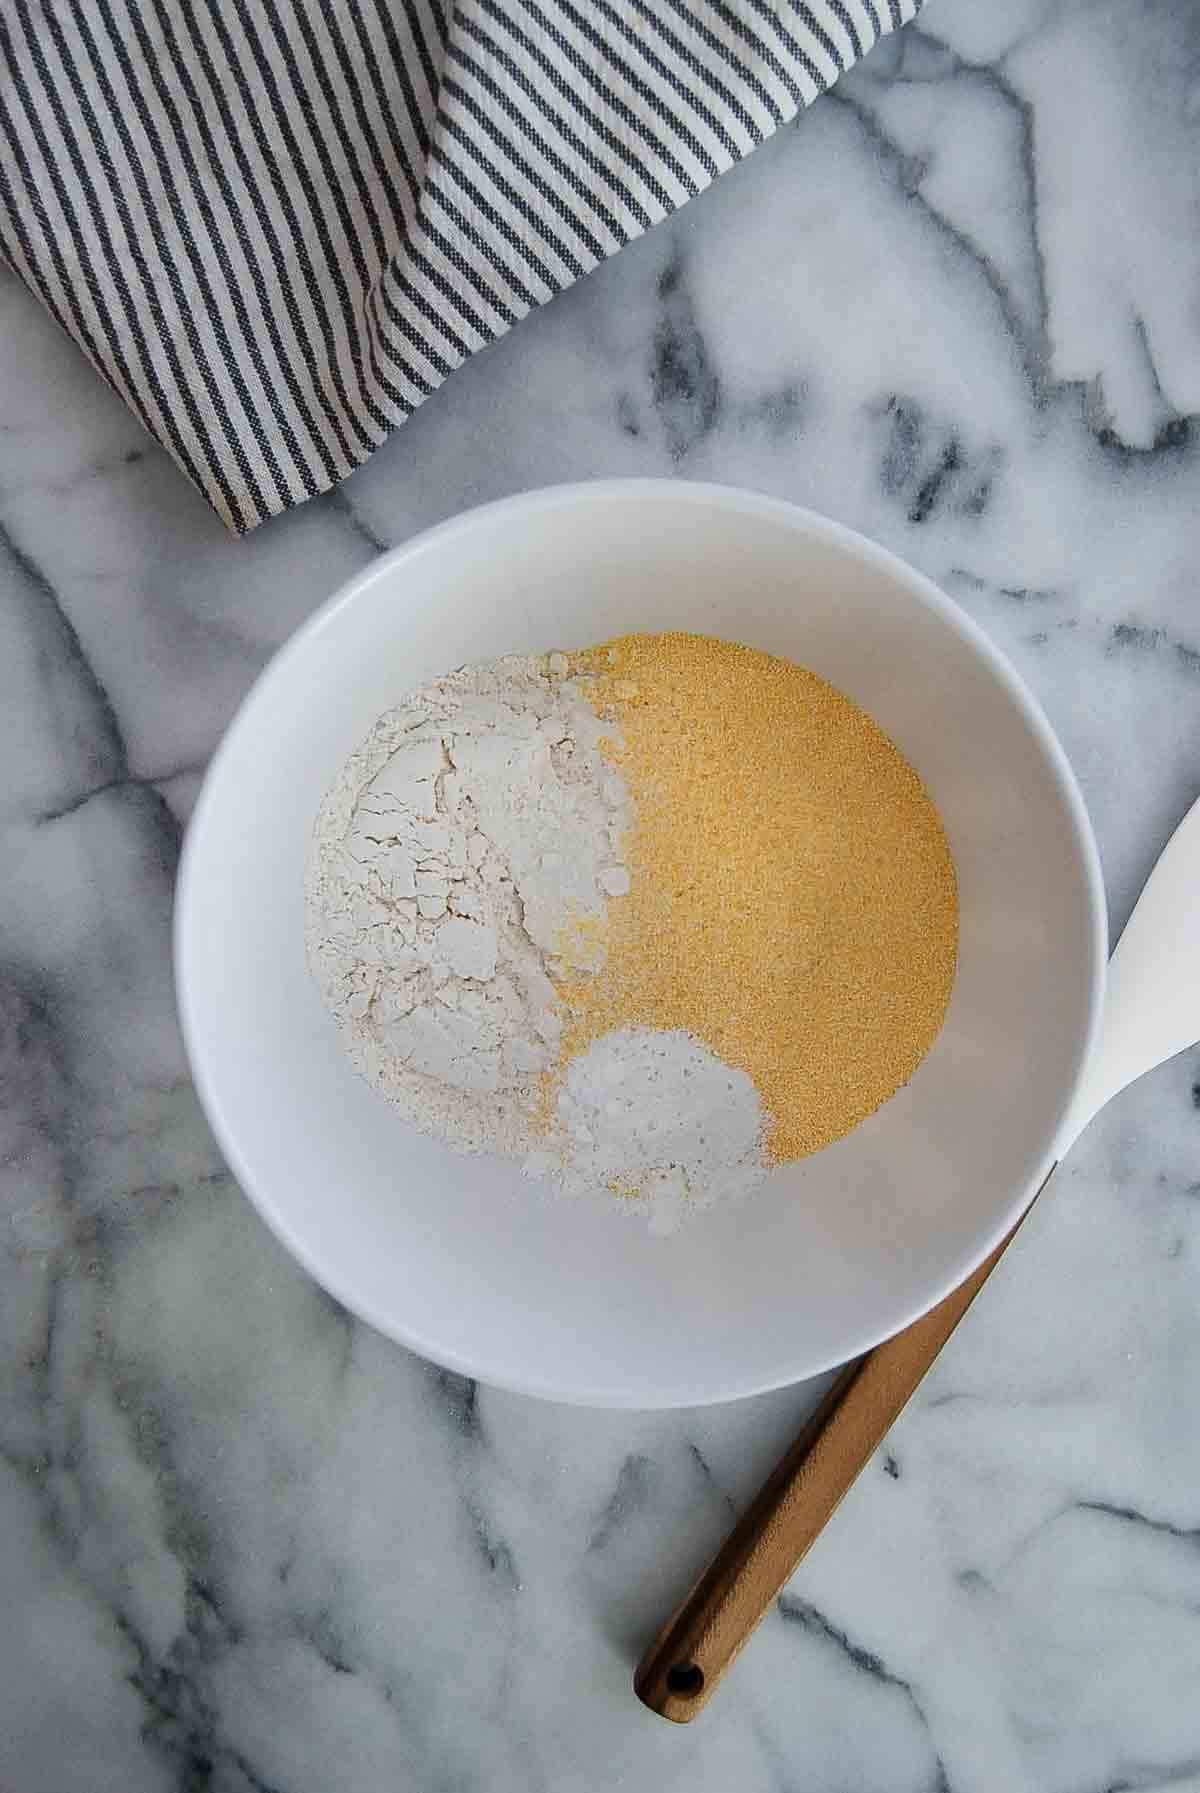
<point x="452" y="860"/>
<point x="661" y="1120"/>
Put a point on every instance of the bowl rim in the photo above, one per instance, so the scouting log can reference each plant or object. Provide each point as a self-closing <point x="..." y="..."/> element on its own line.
<point x="530" y="504"/>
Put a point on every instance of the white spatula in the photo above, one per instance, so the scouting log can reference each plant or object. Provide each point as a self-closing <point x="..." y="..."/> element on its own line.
<point x="1151" y="1012"/>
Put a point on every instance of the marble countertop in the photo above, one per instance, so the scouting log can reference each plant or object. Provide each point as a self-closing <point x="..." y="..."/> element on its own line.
<point x="246" y="1546"/>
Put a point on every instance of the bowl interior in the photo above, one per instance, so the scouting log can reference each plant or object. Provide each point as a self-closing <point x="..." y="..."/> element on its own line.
<point x="463" y="1258"/>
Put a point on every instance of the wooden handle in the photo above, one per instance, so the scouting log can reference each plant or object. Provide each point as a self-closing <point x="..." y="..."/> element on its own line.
<point x="679" y="1672"/>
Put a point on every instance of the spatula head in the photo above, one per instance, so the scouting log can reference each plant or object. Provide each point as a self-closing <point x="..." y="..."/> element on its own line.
<point x="1152" y="1008"/>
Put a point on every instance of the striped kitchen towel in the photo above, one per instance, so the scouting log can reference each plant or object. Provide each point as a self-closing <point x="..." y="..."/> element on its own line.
<point x="275" y="226"/>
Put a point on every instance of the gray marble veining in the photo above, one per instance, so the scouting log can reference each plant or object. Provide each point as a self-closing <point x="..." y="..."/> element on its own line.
<point x="247" y="1544"/>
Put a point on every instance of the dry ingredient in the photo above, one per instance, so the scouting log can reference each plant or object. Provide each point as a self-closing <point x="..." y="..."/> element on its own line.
<point x="793" y="900"/>
<point x="648" y="918"/>
<point x="657" y="1119"/>
<point x="470" y="843"/>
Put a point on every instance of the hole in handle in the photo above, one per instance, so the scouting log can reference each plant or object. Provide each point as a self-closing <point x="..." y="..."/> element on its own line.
<point x="686" y="1679"/>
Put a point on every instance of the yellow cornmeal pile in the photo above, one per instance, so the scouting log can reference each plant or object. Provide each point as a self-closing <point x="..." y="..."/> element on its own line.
<point x="793" y="900"/>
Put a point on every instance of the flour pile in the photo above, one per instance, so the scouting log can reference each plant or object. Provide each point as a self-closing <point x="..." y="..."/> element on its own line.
<point x="462" y="865"/>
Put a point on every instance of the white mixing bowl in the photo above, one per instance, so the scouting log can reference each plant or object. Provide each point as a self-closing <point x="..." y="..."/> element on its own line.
<point x="461" y="1258"/>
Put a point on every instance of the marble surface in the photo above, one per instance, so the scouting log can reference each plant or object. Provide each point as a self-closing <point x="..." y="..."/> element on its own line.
<point x="247" y="1545"/>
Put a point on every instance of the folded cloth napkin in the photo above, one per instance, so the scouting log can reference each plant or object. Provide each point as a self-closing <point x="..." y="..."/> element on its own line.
<point x="275" y="226"/>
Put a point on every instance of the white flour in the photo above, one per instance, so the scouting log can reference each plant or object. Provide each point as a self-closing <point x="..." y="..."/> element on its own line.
<point x="453" y="861"/>
<point x="476" y="824"/>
